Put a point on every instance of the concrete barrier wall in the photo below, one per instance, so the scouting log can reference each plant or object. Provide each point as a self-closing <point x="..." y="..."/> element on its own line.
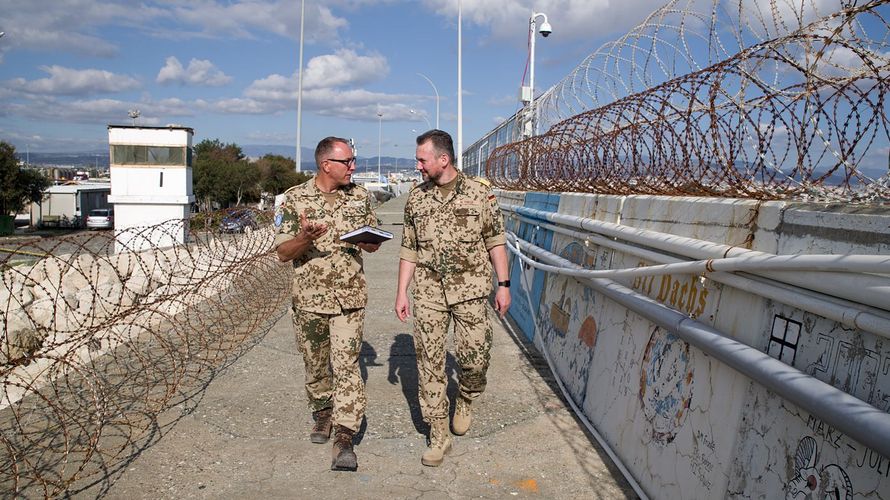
<point x="684" y="424"/>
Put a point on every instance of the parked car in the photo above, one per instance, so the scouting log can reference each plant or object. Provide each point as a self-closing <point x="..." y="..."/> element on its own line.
<point x="238" y="221"/>
<point x="101" y="218"/>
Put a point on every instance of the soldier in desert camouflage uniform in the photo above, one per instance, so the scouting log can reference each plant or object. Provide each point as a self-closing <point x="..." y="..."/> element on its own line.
<point x="329" y="292"/>
<point x="453" y="228"/>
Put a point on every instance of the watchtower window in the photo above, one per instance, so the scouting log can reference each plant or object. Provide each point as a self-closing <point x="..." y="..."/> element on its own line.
<point x="123" y="154"/>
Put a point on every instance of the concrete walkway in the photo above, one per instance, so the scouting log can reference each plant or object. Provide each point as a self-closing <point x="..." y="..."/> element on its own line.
<point x="246" y="436"/>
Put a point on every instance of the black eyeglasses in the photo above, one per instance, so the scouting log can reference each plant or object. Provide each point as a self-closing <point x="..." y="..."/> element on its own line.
<point x="347" y="162"/>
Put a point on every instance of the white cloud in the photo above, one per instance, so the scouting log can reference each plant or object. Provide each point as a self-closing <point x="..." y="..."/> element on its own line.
<point x="342" y="68"/>
<point x="571" y="19"/>
<point x="67" y="81"/>
<point x="242" y="106"/>
<point x="70" y="25"/>
<point x="241" y="19"/>
<point x="273" y="88"/>
<point x="199" y="72"/>
<point x="329" y="88"/>
<point x="75" y="26"/>
<point x="79" y="111"/>
<point x="93" y="111"/>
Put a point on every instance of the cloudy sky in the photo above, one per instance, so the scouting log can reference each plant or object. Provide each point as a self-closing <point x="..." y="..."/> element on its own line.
<point x="228" y="68"/>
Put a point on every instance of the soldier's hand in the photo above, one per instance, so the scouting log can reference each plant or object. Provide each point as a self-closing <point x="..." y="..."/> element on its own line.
<point x="402" y="308"/>
<point x="368" y="247"/>
<point x="311" y="230"/>
<point x="502" y="301"/>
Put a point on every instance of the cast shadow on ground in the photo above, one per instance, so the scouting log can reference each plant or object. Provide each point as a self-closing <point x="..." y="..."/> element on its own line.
<point x="403" y="371"/>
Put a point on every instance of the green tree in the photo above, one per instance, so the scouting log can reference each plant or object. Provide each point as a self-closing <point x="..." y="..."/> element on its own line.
<point x="242" y="181"/>
<point x="278" y="174"/>
<point x="212" y="169"/>
<point x="18" y="187"/>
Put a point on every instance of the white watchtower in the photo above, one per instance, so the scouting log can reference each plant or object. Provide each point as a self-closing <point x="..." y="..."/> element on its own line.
<point x="151" y="185"/>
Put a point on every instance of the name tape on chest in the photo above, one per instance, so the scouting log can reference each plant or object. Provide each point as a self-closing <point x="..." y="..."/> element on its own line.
<point x="466" y="203"/>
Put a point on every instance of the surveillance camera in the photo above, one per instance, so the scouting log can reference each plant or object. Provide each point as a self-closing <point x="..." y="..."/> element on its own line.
<point x="546" y="29"/>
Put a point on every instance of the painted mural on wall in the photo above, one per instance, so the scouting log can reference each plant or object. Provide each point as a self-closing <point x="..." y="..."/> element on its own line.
<point x="666" y="378"/>
<point x="686" y="425"/>
<point x="815" y="480"/>
<point x="528" y="283"/>
<point x="795" y="452"/>
<point x="685" y="293"/>
<point x="567" y="320"/>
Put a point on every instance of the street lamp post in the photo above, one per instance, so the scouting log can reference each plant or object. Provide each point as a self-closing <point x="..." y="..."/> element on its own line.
<point x="299" y="155"/>
<point x="379" y="141"/>
<point x="437" y="96"/>
<point x="545" y="32"/>
<point x="427" y="120"/>
<point x="460" y="92"/>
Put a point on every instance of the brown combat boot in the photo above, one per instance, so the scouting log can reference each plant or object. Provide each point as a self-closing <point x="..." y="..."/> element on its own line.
<point x="440" y="443"/>
<point x="463" y="416"/>
<point x="321" y="431"/>
<point x="343" y="455"/>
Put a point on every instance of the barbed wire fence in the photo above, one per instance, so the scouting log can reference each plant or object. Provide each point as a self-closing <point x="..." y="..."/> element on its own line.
<point x="764" y="100"/>
<point x="96" y="343"/>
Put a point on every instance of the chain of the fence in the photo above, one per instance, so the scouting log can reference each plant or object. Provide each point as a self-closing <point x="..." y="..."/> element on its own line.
<point x="749" y="99"/>
<point x="97" y="343"/>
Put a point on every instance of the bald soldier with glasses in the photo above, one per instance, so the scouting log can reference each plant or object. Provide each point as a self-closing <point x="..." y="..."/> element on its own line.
<point x="329" y="292"/>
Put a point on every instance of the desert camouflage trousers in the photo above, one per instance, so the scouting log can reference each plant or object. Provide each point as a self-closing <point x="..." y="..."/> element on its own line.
<point x="330" y="345"/>
<point x="472" y="341"/>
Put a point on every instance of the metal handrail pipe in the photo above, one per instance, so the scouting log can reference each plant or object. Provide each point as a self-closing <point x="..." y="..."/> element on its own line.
<point x="867" y="289"/>
<point x="850" y="314"/>
<point x="847" y="263"/>
<point x="818" y="262"/>
<point x="844" y="412"/>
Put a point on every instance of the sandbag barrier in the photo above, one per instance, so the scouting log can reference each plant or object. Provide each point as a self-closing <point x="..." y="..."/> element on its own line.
<point x="95" y="344"/>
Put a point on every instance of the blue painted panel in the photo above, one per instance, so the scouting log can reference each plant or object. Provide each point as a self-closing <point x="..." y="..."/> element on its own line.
<point x="526" y="281"/>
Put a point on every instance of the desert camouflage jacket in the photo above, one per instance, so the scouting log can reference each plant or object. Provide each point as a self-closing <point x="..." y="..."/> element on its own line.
<point x="330" y="276"/>
<point x="449" y="240"/>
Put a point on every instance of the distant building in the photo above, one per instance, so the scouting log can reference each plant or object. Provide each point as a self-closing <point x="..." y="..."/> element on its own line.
<point x="67" y="205"/>
<point x="151" y="185"/>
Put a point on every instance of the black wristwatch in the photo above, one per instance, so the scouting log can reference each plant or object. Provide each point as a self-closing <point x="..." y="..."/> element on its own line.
<point x="505" y="284"/>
